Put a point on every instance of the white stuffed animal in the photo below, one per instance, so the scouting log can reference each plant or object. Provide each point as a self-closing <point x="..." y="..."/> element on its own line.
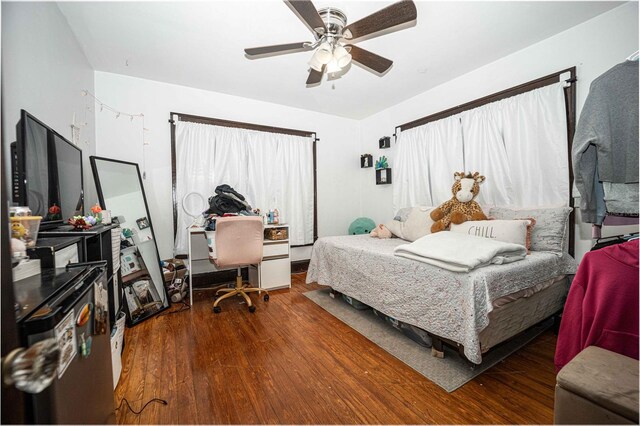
<point x="381" y="231"/>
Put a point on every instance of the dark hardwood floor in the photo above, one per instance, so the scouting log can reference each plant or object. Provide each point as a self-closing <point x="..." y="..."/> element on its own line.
<point x="291" y="362"/>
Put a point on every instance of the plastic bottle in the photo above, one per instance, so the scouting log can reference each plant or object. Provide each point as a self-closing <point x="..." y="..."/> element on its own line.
<point x="276" y="216"/>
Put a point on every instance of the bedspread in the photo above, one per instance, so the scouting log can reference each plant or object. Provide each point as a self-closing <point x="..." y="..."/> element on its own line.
<point x="453" y="305"/>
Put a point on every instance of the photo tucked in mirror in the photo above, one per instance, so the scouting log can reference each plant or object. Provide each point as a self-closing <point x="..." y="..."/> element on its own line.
<point x="120" y="190"/>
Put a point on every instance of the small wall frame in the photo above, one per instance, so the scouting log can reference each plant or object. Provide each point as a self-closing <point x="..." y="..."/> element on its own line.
<point x="366" y="161"/>
<point x="383" y="176"/>
<point x="384" y="142"/>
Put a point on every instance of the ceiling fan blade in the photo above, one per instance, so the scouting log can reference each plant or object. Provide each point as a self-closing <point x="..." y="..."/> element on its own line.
<point x="277" y="49"/>
<point x="396" y="14"/>
<point x="308" y="14"/>
<point x="369" y="60"/>
<point x="315" y="76"/>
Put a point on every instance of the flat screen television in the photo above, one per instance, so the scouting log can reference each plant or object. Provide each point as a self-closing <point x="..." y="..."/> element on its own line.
<point x="47" y="172"/>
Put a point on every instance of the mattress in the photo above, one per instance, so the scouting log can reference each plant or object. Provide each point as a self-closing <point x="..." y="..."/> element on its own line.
<point x="452" y="305"/>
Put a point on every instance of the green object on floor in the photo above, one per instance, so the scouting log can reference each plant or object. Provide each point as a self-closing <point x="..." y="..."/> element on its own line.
<point x="362" y="225"/>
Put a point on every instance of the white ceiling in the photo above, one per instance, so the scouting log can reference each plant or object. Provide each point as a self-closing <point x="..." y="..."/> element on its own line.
<point x="200" y="44"/>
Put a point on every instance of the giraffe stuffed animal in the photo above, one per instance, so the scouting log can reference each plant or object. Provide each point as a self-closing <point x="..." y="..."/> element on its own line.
<point x="461" y="207"/>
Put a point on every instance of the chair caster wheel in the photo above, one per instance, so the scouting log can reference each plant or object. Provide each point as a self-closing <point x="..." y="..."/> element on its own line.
<point x="266" y="298"/>
<point x="252" y="309"/>
<point x="217" y="309"/>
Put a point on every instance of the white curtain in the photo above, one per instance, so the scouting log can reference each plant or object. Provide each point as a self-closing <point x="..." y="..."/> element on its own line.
<point x="519" y="144"/>
<point x="427" y="158"/>
<point x="485" y="153"/>
<point x="534" y="127"/>
<point x="271" y="170"/>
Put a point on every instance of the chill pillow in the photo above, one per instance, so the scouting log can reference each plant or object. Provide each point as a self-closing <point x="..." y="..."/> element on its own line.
<point x="508" y="231"/>
<point x="416" y="223"/>
<point x="551" y="232"/>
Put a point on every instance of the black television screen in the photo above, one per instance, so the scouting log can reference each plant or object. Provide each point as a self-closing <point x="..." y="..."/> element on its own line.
<point x="49" y="172"/>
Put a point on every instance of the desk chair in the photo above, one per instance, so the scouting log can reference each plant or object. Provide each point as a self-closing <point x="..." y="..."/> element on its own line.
<point x="238" y="243"/>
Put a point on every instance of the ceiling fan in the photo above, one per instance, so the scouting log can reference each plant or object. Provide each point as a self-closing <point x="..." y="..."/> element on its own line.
<point x="333" y="37"/>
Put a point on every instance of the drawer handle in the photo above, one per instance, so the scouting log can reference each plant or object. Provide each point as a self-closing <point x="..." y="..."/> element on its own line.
<point x="282" y="256"/>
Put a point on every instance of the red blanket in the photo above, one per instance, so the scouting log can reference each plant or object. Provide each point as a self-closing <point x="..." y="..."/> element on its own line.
<point x="602" y="306"/>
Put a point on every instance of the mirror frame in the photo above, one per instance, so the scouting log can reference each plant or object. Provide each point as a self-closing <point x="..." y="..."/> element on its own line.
<point x="94" y="169"/>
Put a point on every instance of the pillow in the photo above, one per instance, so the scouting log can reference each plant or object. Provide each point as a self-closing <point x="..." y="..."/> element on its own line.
<point x="417" y="223"/>
<point x="516" y="231"/>
<point x="552" y="226"/>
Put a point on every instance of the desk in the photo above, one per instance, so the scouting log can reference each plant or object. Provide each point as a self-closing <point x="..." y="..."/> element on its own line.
<point x="273" y="273"/>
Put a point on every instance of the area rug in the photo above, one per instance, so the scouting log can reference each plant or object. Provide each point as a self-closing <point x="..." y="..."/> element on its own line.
<point x="449" y="373"/>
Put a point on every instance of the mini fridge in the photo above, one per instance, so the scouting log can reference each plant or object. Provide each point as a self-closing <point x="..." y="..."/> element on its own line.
<point x="71" y="305"/>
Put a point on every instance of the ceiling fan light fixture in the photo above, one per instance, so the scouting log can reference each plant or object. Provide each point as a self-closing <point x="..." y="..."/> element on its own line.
<point x="315" y="64"/>
<point x="333" y="66"/>
<point x="341" y="55"/>
<point x="344" y="61"/>
<point x="324" y="53"/>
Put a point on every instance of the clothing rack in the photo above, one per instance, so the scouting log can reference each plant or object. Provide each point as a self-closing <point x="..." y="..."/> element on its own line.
<point x="612" y="220"/>
<point x="615" y="239"/>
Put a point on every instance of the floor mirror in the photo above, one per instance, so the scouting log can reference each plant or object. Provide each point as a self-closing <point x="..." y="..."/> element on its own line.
<point x="121" y="191"/>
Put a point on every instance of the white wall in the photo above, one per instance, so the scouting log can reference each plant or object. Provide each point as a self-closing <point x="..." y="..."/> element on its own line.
<point x="593" y="46"/>
<point x="337" y="150"/>
<point x="44" y="71"/>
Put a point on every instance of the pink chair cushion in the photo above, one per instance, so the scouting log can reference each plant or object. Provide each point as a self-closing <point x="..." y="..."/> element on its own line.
<point x="238" y="241"/>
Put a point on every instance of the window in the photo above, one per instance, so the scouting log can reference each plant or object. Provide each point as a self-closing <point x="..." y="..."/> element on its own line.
<point x="271" y="169"/>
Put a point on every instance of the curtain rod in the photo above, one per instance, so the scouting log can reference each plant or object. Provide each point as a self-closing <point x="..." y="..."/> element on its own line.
<point x="240" y="125"/>
<point x="513" y="91"/>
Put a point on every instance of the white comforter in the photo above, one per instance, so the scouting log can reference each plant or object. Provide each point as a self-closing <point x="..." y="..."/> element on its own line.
<point x="460" y="252"/>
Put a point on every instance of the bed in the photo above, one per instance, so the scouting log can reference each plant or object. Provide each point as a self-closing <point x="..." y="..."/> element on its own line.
<point x="520" y="138"/>
<point x="475" y="310"/>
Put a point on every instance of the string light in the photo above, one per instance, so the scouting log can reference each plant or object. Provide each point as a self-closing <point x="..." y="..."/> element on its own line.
<point x="104" y="106"/>
<point x="131" y="116"/>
